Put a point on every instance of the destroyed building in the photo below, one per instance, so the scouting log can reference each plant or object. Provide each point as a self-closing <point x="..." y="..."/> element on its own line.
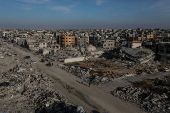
<point x="151" y="95"/>
<point x="109" y="44"/>
<point x="24" y="89"/>
<point x="137" y="55"/>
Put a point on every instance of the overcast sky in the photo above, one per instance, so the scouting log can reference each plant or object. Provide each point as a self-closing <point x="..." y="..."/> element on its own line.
<point x="84" y="14"/>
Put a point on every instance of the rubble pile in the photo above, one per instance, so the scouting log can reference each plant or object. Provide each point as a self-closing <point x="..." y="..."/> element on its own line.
<point x="6" y="52"/>
<point x="61" y="55"/>
<point x="24" y="89"/>
<point x="19" y="90"/>
<point x="139" y="56"/>
<point x="77" y="71"/>
<point x="101" y="71"/>
<point x="150" y="95"/>
<point x="96" y="76"/>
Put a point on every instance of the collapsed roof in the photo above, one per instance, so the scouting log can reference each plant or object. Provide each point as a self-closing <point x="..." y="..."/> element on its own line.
<point x="139" y="55"/>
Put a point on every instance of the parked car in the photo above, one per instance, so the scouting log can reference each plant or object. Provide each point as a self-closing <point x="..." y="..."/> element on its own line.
<point x="33" y="62"/>
<point x="166" y="69"/>
<point x="49" y="64"/>
<point x="42" y="60"/>
<point x="27" y="57"/>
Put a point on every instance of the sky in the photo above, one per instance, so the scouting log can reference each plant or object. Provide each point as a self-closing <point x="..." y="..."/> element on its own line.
<point x="85" y="14"/>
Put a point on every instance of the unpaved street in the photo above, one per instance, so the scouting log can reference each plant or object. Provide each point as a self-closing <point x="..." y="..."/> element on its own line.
<point x="91" y="98"/>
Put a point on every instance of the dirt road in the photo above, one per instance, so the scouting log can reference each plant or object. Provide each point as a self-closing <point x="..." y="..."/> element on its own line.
<point x="110" y="86"/>
<point x="91" y="98"/>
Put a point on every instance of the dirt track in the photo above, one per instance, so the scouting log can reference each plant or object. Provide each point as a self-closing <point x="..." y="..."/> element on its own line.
<point x="91" y="98"/>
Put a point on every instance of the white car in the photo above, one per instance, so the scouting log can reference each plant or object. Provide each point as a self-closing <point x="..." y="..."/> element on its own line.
<point x="33" y="62"/>
<point x="166" y="69"/>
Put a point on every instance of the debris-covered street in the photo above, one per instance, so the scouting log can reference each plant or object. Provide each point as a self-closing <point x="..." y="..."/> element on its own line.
<point x="24" y="89"/>
<point x="33" y="86"/>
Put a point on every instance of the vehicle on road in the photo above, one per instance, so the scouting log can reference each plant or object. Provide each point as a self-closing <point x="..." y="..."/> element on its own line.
<point x="42" y="60"/>
<point x="166" y="69"/>
<point x="49" y="64"/>
<point x="27" y="57"/>
<point x="33" y="62"/>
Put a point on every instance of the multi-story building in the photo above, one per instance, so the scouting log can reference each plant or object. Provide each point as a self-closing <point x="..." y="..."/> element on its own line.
<point x="142" y="37"/>
<point x="134" y="44"/>
<point x="150" y="36"/>
<point x="109" y="44"/>
<point x="166" y="35"/>
<point x="164" y="51"/>
<point x="166" y="39"/>
<point x="24" y="35"/>
<point x="1" y="34"/>
<point x="93" y="41"/>
<point x="42" y="45"/>
<point x="82" y="41"/>
<point x="53" y="45"/>
<point x="66" y="41"/>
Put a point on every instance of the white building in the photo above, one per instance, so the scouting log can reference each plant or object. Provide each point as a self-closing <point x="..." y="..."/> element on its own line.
<point x="42" y="45"/>
<point x="134" y="44"/>
<point x="109" y="44"/>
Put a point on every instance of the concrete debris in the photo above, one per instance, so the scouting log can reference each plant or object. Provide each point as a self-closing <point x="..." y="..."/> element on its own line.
<point x="150" y="95"/>
<point x="21" y="70"/>
<point x="32" y="92"/>
<point x="134" y="55"/>
<point x="24" y="89"/>
<point x="61" y="55"/>
<point x="101" y="71"/>
<point x="80" y="109"/>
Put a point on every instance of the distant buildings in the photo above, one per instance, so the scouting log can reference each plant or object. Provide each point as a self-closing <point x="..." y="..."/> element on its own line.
<point x="150" y="36"/>
<point x="53" y="41"/>
<point x="166" y="35"/>
<point x="142" y="37"/>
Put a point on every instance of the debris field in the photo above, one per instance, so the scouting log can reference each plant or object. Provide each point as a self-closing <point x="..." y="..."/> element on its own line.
<point x="101" y="71"/>
<point x="151" y="95"/>
<point x="25" y="90"/>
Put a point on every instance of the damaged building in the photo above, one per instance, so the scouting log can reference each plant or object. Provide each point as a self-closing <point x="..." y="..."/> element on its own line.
<point x="164" y="51"/>
<point x="137" y="55"/>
